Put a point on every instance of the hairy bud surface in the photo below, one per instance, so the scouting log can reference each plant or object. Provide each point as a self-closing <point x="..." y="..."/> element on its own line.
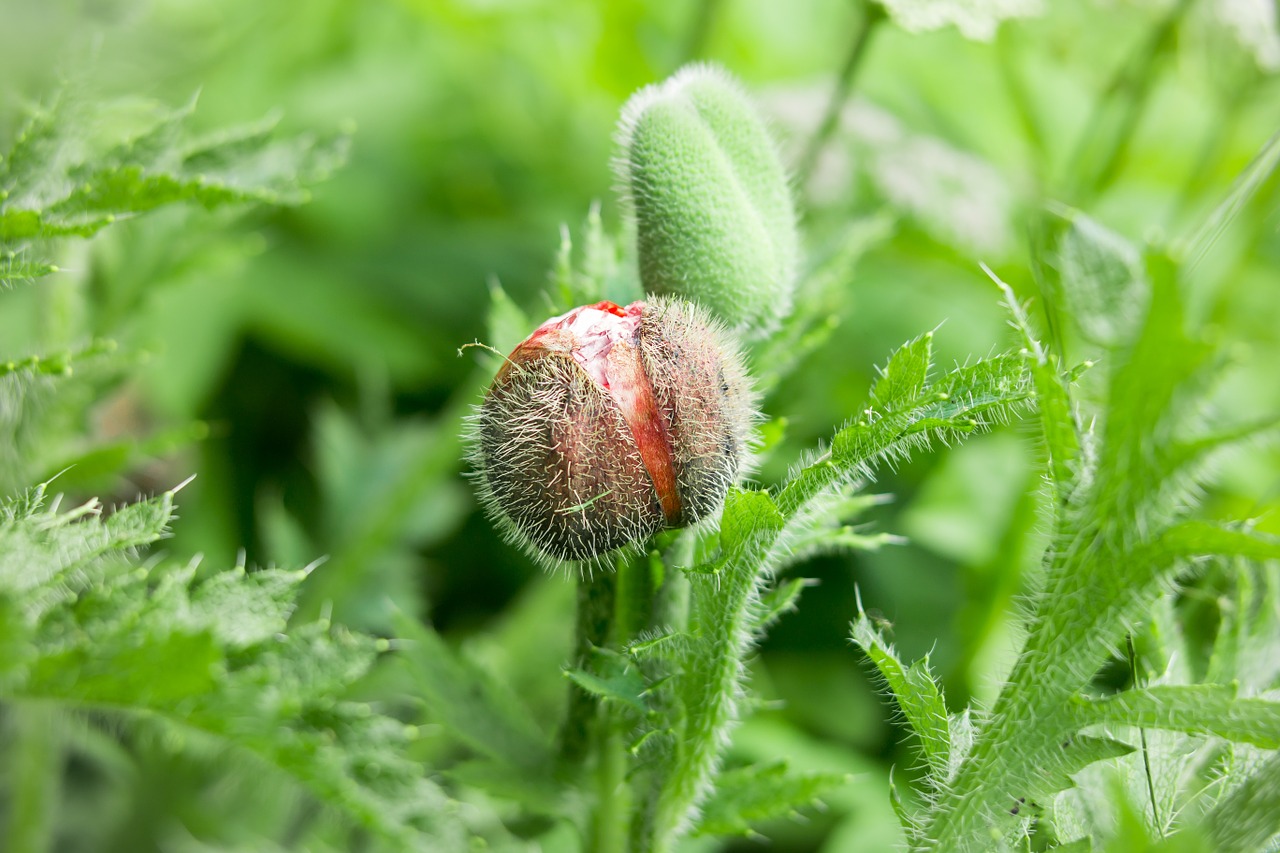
<point x="608" y="424"/>
<point x="713" y="215"/>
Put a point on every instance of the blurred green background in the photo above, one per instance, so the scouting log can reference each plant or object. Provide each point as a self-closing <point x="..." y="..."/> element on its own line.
<point x="305" y="362"/>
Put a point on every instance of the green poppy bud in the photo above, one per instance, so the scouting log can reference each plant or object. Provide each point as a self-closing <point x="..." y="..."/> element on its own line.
<point x="713" y="214"/>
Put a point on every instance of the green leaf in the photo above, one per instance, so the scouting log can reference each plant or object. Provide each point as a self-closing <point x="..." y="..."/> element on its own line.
<point x="902" y="379"/>
<point x="1102" y="280"/>
<point x="39" y="543"/>
<point x="1195" y="709"/>
<point x="917" y="694"/>
<point x="1075" y="754"/>
<point x="16" y="268"/>
<point x="103" y="630"/>
<point x="614" y="680"/>
<point x="61" y="179"/>
<point x="474" y="707"/>
<point x="262" y="601"/>
<point x="1192" y="539"/>
<point x="1247" y="646"/>
<point x="1248" y="817"/>
<point x="906" y="414"/>
<point x="1059" y="422"/>
<point x="778" y="601"/>
<point x="746" y="796"/>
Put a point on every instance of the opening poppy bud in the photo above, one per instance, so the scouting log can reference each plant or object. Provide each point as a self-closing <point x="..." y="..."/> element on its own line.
<point x="608" y="424"/>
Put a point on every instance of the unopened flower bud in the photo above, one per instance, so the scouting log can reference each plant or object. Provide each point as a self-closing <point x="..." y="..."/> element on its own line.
<point x="608" y="424"/>
<point x="714" y="219"/>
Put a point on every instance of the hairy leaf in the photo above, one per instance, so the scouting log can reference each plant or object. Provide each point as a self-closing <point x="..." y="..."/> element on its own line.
<point x="103" y="631"/>
<point x="1196" y="709"/>
<point x="917" y="694"/>
<point x="60" y="179"/>
<point x="746" y="796"/>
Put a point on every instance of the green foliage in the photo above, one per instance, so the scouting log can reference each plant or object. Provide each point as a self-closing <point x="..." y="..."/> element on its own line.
<point x="57" y="182"/>
<point x="74" y="169"/>
<point x="167" y="306"/>
<point x="713" y="214"/>
<point x="1123" y="533"/>
<point x="94" y="629"/>
<point x="749" y="795"/>
<point x="694" y="671"/>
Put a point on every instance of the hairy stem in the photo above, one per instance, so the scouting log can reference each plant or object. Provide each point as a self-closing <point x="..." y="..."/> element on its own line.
<point x="634" y="606"/>
<point x="611" y="818"/>
<point x="596" y="603"/>
<point x="671" y="601"/>
<point x="871" y="16"/>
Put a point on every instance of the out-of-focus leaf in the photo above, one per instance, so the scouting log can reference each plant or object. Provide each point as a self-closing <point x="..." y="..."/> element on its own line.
<point x="746" y="796"/>
<point x="106" y="631"/>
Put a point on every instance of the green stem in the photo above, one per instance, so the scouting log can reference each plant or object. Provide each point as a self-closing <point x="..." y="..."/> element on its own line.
<point x="596" y="601"/>
<point x="634" y="608"/>
<point x="701" y="30"/>
<point x="872" y="15"/>
<point x="1022" y="98"/>
<point x="1121" y="104"/>
<point x="611" y="820"/>
<point x="1146" y="754"/>
<point x="34" y="775"/>
<point x="671" y="603"/>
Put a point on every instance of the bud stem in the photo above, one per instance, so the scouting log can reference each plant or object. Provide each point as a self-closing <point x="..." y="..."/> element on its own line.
<point x="597" y="599"/>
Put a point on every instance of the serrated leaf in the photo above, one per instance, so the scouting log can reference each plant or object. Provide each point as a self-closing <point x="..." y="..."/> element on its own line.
<point x="916" y="692"/>
<point x="963" y="401"/>
<point x="471" y="704"/>
<point x="1073" y="755"/>
<point x="746" y="796"/>
<point x="1058" y="420"/>
<point x="262" y="601"/>
<point x="124" y="669"/>
<point x="903" y="376"/>
<point x="1102" y="279"/>
<point x="1248" y="817"/>
<point x="15" y="268"/>
<point x="614" y="679"/>
<point x="39" y="544"/>
<point x="1194" y="709"/>
<point x="105" y="631"/>
<point x="56" y="185"/>
<point x="780" y="600"/>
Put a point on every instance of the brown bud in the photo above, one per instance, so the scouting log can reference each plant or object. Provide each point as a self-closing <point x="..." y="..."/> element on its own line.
<point x="608" y="424"/>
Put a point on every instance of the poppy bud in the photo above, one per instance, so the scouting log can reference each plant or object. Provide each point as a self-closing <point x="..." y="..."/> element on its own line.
<point x="713" y="216"/>
<point x="608" y="424"/>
